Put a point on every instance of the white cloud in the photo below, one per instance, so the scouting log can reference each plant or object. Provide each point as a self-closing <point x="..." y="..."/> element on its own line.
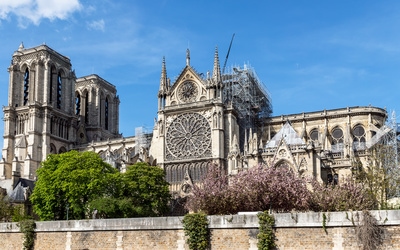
<point x="33" y="11"/>
<point x="97" y="25"/>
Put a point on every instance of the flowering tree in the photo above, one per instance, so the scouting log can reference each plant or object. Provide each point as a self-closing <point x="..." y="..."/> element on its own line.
<point x="258" y="189"/>
<point x="348" y="195"/>
<point x="280" y="189"/>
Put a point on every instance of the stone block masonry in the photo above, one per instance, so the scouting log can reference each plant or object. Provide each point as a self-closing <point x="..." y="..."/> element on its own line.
<point x="292" y="231"/>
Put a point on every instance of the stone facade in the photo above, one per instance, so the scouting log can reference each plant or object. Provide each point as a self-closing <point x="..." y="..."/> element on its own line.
<point x="292" y="231"/>
<point x="51" y="111"/>
<point x="225" y="119"/>
<point x="219" y="117"/>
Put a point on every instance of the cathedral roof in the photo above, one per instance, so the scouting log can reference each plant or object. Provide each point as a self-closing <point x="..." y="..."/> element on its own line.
<point x="288" y="134"/>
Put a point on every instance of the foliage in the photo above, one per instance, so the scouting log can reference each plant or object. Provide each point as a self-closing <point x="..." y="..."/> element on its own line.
<point x="369" y="233"/>
<point x="212" y="195"/>
<point x="324" y="218"/>
<point x="82" y="185"/>
<point x="68" y="182"/>
<point x="195" y="226"/>
<point x="147" y="188"/>
<point x="380" y="176"/>
<point x="6" y="209"/>
<point x="142" y="192"/>
<point x="19" y="213"/>
<point x="27" y="227"/>
<point x="348" y="195"/>
<point x="258" y="189"/>
<point x="266" y="236"/>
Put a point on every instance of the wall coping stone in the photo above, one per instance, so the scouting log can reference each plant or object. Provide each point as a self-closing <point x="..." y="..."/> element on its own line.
<point x="238" y="221"/>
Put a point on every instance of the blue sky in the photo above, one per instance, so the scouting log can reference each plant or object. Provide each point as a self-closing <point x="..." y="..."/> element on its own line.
<point x="311" y="55"/>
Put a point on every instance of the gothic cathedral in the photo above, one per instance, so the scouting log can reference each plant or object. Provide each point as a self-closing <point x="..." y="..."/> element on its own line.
<point x="222" y="117"/>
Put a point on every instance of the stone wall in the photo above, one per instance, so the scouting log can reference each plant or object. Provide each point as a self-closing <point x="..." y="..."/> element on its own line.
<point x="293" y="231"/>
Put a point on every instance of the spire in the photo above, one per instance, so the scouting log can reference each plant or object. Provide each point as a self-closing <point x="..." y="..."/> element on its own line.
<point x="187" y="57"/>
<point x="163" y="79"/>
<point x="216" y="75"/>
<point x="21" y="46"/>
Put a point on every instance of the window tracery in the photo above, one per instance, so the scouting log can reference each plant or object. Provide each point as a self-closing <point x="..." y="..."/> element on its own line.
<point x="314" y="136"/>
<point x="358" y="138"/>
<point x="189" y="136"/>
<point x="337" y="139"/>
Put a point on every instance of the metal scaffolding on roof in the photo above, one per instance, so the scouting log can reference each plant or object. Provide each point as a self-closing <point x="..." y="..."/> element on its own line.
<point x="248" y="96"/>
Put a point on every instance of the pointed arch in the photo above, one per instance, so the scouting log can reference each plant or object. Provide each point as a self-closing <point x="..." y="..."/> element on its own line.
<point x="337" y="139"/>
<point x="86" y="106"/>
<point x="59" y="89"/>
<point x="106" y="113"/>
<point x="52" y="82"/>
<point x="53" y="149"/>
<point x="62" y="150"/>
<point x="26" y="86"/>
<point x="359" y="137"/>
<point x="282" y="163"/>
<point x="78" y="101"/>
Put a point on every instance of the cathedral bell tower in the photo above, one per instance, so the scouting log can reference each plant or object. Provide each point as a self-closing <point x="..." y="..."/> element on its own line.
<point x="189" y="130"/>
<point x="39" y="118"/>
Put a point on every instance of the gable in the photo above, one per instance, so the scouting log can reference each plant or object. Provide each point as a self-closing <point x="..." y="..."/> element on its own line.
<point x="189" y="87"/>
<point x="288" y="134"/>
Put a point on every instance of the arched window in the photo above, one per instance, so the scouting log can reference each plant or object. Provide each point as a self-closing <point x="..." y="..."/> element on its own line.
<point x="53" y="149"/>
<point x="52" y="75"/>
<point x="314" y="136"/>
<point x="62" y="150"/>
<point x="106" y="114"/>
<point x="59" y="90"/>
<point x="358" y="137"/>
<point x="87" y="108"/>
<point x="26" y="86"/>
<point x="337" y="140"/>
<point x="283" y="164"/>
<point x="78" y="104"/>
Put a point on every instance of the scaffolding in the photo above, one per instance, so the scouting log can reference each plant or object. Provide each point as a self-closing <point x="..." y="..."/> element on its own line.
<point x="142" y="139"/>
<point x="244" y="92"/>
<point x="386" y="142"/>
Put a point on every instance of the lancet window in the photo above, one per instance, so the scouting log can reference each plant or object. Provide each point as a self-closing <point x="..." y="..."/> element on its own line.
<point x="59" y="90"/>
<point x="87" y="108"/>
<point x="337" y="140"/>
<point x="106" y="114"/>
<point x="52" y="76"/>
<point x="358" y="137"/>
<point x="26" y="86"/>
<point x="78" y="104"/>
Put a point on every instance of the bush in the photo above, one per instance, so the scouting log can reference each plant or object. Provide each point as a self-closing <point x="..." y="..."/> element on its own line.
<point x="266" y="236"/>
<point x="196" y="227"/>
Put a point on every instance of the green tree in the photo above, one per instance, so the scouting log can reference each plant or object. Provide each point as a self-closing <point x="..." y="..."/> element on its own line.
<point x="6" y="209"/>
<point x="68" y="182"/>
<point x="147" y="188"/>
<point x="142" y="192"/>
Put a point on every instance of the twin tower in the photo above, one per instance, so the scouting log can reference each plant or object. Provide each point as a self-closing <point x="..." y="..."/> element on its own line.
<point x="51" y="111"/>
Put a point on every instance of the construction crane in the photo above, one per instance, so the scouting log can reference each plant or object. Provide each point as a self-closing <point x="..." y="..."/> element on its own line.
<point x="227" y="54"/>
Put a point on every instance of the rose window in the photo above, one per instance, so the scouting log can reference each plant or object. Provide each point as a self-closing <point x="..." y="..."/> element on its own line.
<point x="189" y="136"/>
